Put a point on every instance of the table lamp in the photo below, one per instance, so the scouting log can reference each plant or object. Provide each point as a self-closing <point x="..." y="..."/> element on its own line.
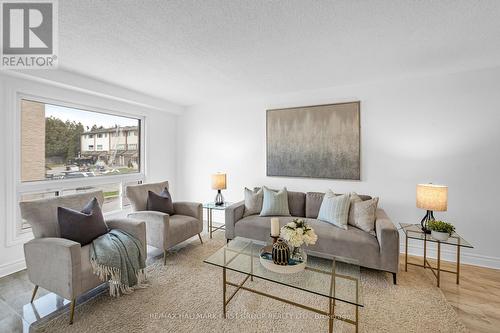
<point x="219" y="183"/>
<point x="432" y="198"/>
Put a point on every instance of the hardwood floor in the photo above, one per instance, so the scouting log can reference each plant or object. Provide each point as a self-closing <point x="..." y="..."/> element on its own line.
<point x="476" y="299"/>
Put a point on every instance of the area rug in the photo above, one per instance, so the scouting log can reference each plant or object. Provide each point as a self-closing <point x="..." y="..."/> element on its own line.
<point x="186" y="296"/>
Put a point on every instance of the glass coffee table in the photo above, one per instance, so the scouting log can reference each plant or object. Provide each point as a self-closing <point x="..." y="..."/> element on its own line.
<point x="336" y="279"/>
<point x="414" y="231"/>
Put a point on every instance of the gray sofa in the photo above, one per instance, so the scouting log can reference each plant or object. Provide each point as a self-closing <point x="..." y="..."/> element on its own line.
<point x="380" y="252"/>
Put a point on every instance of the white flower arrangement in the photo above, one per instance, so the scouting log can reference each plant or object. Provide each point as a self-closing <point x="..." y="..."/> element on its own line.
<point x="298" y="232"/>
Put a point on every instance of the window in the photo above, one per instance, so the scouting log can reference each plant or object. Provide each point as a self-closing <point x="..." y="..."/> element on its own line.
<point x="132" y="146"/>
<point x="53" y="141"/>
<point x="66" y="150"/>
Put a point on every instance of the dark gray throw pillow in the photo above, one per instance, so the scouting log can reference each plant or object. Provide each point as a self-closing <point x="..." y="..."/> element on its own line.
<point x="161" y="202"/>
<point x="84" y="226"/>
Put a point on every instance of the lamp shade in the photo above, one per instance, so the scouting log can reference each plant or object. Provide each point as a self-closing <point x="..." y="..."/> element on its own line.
<point x="219" y="181"/>
<point x="432" y="197"/>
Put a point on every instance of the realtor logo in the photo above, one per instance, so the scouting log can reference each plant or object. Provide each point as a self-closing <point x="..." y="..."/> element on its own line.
<point x="29" y="32"/>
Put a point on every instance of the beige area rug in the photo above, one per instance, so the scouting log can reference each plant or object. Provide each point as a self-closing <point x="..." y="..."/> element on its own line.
<point x="186" y="296"/>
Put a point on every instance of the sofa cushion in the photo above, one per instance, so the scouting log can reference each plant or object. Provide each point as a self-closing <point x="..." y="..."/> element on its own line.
<point x="335" y="209"/>
<point x="253" y="202"/>
<point x="296" y="202"/>
<point x="182" y="227"/>
<point x="314" y="200"/>
<point x="275" y="203"/>
<point x="332" y="241"/>
<point x="313" y="203"/>
<point x="352" y="243"/>
<point x="258" y="227"/>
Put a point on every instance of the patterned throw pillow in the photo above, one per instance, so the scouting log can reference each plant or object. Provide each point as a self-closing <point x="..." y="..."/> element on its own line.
<point x="84" y="226"/>
<point x="362" y="213"/>
<point x="275" y="203"/>
<point x="253" y="202"/>
<point x="160" y="202"/>
<point x="335" y="209"/>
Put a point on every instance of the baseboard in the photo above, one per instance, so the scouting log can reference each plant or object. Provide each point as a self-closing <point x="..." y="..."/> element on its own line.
<point x="12" y="267"/>
<point x="449" y="253"/>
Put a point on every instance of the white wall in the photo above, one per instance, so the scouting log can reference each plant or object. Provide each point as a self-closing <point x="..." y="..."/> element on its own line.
<point x="441" y="129"/>
<point x="160" y="137"/>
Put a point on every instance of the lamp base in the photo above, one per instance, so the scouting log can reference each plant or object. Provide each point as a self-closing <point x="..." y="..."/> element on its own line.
<point x="219" y="199"/>
<point x="429" y="216"/>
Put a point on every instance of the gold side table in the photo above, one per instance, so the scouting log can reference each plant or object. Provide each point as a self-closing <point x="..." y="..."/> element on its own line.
<point x="414" y="231"/>
<point x="210" y="206"/>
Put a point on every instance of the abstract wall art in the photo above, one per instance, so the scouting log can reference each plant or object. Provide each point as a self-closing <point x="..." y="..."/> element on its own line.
<point x="321" y="141"/>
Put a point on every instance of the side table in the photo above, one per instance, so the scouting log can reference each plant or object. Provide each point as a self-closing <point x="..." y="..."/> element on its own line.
<point x="414" y="231"/>
<point x="210" y="206"/>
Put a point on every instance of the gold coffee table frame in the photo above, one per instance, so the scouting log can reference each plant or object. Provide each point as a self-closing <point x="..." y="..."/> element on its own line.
<point x="330" y="313"/>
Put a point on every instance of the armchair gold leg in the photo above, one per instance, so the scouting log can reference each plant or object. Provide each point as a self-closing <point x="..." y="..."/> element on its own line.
<point x="164" y="257"/>
<point x="199" y="236"/>
<point x="34" y="294"/>
<point x="72" y="311"/>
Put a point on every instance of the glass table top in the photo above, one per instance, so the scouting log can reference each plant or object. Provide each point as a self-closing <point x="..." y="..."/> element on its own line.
<point x="211" y="205"/>
<point x="414" y="231"/>
<point x="336" y="278"/>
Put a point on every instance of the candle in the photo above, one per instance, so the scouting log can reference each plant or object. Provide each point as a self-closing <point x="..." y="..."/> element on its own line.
<point x="275" y="226"/>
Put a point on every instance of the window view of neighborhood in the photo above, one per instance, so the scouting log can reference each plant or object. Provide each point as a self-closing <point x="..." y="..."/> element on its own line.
<point x="63" y="143"/>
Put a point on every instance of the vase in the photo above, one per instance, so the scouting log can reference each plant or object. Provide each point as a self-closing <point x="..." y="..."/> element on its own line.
<point x="297" y="254"/>
<point x="281" y="252"/>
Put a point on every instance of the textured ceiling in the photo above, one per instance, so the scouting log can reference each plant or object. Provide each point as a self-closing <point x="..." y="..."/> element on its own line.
<point x="193" y="52"/>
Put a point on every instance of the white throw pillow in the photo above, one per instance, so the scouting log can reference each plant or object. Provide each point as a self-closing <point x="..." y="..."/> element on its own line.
<point x="335" y="209"/>
<point x="362" y="213"/>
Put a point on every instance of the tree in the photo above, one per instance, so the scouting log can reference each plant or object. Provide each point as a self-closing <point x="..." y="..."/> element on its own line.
<point x="62" y="139"/>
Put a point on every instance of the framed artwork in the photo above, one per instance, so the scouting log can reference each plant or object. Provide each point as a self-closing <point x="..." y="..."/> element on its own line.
<point x="320" y="141"/>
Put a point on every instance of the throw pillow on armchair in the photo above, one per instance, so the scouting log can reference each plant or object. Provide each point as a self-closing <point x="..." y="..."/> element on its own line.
<point x="82" y="226"/>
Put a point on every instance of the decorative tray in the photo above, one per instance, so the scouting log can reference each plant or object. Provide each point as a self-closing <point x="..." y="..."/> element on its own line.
<point x="294" y="266"/>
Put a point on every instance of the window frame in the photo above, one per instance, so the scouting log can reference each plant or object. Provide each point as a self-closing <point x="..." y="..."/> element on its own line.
<point x="19" y="234"/>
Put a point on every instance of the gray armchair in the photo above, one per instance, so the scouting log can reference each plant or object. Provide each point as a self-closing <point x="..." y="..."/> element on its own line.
<point x="163" y="230"/>
<point x="60" y="265"/>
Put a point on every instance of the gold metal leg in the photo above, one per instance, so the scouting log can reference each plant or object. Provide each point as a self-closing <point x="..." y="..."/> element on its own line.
<point x="439" y="263"/>
<point x="406" y="253"/>
<point x="224" y="291"/>
<point x="210" y="221"/>
<point x="164" y="257"/>
<point x="331" y="302"/>
<point x="357" y="307"/>
<point x="458" y="264"/>
<point x="72" y="311"/>
<point x="331" y="312"/>
<point x="425" y="249"/>
<point x="201" y="240"/>
<point x="34" y="294"/>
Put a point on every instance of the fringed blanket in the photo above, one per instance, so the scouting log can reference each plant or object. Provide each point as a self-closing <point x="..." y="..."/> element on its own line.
<point x="118" y="257"/>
